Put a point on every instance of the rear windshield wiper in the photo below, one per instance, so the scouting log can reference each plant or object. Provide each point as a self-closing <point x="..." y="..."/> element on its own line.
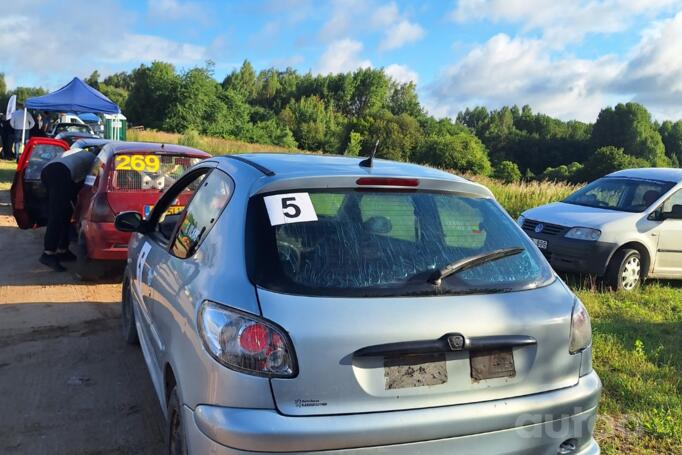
<point x="463" y="264"/>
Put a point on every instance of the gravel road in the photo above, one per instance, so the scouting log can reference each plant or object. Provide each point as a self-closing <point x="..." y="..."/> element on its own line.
<point x="68" y="382"/>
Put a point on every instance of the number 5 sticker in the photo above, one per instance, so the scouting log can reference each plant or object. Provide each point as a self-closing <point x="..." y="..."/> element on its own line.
<point x="290" y="208"/>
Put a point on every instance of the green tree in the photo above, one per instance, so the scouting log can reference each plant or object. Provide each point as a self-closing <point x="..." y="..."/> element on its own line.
<point x="398" y="135"/>
<point x="370" y="89"/>
<point x="403" y="99"/>
<point x="354" y="144"/>
<point x="3" y="86"/>
<point x="462" y="152"/>
<point x="93" y="80"/>
<point x="315" y="126"/>
<point x="507" y="171"/>
<point x="609" y="159"/>
<point x="572" y="173"/>
<point x="242" y="81"/>
<point x="115" y="94"/>
<point x="155" y="89"/>
<point x="121" y="80"/>
<point x="671" y="134"/>
<point x="629" y="127"/>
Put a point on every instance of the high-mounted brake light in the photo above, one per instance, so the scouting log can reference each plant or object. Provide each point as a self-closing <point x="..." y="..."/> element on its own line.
<point x="386" y="181"/>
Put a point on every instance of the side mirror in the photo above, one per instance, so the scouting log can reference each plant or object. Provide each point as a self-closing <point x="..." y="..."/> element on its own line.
<point x="674" y="214"/>
<point x="129" y="222"/>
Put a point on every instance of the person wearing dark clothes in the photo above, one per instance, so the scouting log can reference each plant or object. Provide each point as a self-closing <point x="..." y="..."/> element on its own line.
<point x="7" y="135"/>
<point x="63" y="178"/>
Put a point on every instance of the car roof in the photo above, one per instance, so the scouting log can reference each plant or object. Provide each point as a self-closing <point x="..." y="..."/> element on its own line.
<point x="91" y="141"/>
<point x="157" y="148"/>
<point x="288" y="166"/>
<point x="651" y="173"/>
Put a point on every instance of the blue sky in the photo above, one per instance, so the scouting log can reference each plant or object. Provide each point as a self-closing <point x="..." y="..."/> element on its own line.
<point x="567" y="58"/>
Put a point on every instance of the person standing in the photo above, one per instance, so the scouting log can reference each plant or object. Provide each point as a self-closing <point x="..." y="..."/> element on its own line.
<point x="6" y="135"/>
<point x="63" y="178"/>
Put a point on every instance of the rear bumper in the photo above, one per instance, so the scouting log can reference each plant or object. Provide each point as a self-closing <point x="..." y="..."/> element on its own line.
<point x="105" y="242"/>
<point x="535" y="423"/>
<point x="581" y="256"/>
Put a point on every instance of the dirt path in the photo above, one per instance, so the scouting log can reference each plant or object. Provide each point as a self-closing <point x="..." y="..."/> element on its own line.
<point x="68" y="382"/>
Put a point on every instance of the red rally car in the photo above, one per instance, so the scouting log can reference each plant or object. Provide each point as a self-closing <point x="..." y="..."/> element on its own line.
<point x="126" y="176"/>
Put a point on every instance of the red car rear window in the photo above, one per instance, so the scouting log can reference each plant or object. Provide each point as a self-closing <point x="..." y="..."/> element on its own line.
<point x="148" y="172"/>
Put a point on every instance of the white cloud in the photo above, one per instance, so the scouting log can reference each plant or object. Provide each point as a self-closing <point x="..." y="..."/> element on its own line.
<point x="506" y="71"/>
<point x="653" y="73"/>
<point x="401" y="33"/>
<point x="385" y="15"/>
<point x="70" y="43"/>
<point x="343" y="18"/>
<point x="563" y="21"/>
<point x="342" y="56"/>
<point x="145" y="48"/>
<point x="401" y="73"/>
<point x="175" y="10"/>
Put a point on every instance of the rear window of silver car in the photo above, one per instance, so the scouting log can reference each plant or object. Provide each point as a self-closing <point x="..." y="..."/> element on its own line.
<point x="387" y="243"/>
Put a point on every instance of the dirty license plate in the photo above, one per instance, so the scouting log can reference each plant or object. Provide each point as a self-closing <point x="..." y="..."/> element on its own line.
<point x="415" y="371"/>
<point x="492" y="364"/>
<point x="172" y="210"/>
<point x="542" y="244"/>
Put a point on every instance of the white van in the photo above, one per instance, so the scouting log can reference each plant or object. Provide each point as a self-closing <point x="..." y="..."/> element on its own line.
<point x="624" y="227"/>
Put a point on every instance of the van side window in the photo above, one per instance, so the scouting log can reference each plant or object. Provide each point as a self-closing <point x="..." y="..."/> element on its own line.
<point x="202" y="213"/>
<point x="675" y="199"/>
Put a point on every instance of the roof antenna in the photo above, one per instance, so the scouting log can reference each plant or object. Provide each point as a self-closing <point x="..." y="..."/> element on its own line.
<point x="369" y="161"/>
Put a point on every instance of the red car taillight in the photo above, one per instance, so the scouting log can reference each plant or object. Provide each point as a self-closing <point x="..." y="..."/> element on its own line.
<point x="101" y="211"/>
<point x="246" y="343"/>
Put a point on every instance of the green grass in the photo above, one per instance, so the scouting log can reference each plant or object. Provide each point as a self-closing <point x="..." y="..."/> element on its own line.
<point x="6" y="174"/>
<point x="637" y="336"/>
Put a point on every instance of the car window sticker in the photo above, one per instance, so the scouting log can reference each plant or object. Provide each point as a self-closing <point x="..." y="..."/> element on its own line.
<point x="139" y="268"/>
<point x="290" y="208"/>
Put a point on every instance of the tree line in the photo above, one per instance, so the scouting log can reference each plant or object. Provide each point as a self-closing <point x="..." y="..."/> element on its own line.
<point x="347" y="113"/>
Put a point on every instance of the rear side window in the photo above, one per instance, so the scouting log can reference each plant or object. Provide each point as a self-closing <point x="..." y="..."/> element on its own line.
<point x="202" y="213"/>
<point x="384" y="243"/>
<point x="148" y="171"/>
<point x="40" y="156"/>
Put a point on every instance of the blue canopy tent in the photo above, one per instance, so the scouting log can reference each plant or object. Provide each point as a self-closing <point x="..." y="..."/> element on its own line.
<point x="76" y="96"/>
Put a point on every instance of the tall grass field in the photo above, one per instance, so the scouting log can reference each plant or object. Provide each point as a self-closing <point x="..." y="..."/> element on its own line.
<point x="637" y="341"/>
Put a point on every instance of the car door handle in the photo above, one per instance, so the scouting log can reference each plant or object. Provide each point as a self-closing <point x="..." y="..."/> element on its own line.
<point x="451" y="342"/>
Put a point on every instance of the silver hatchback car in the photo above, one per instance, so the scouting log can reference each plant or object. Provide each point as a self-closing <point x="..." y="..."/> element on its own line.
<point x="316" y="304"/>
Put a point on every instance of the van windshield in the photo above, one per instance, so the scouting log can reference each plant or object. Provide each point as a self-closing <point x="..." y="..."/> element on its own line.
<point x="387" y="243"/>
<point x="621" y="194"/>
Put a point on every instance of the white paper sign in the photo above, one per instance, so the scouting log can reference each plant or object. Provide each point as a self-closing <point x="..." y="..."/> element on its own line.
<point x="290" y="208"/>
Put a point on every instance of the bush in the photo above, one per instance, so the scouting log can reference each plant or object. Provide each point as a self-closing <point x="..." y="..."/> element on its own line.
<point x="462" y="152"/>
<point x="354" y="144"/>
<point x="609" y="159"/>
<point x="190" y="138"/>
<point x="508" y="172"/>
<point x="572" y="173"/>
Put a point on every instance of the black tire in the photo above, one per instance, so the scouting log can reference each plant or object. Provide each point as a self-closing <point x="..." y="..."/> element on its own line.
<point x="176" y="443"/>
<point x="128" y="315"/>
<point x="86" y="268"/>
<point x="624" y="272"/>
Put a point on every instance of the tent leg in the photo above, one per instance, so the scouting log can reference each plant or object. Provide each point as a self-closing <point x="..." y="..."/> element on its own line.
<point x="23" y="133"/>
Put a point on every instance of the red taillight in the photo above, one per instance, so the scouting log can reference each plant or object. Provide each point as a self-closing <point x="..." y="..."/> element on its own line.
<point x="386" y="181"/>
<point x="255" y="338"/>
<point x="101" y="211"/>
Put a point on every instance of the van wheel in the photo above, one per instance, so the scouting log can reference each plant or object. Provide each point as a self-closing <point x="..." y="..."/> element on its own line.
<point x="175" y="437"/>
<point x="128" y="314"/>
<point x="625" y="270"/>
<point x="86" y="268"/>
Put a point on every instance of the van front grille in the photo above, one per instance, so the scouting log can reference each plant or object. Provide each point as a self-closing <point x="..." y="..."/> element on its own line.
<point x="547" y="228"/>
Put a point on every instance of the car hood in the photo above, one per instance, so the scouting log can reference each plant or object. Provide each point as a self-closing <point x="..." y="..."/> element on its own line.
<point x="572" y="215"/>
